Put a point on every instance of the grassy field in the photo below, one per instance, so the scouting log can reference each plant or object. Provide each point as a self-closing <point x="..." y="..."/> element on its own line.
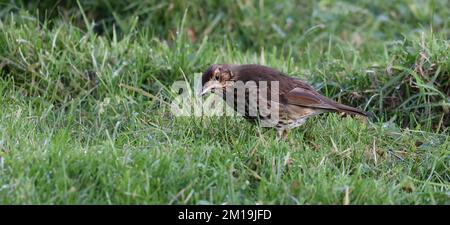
<point x="85" y="96"/>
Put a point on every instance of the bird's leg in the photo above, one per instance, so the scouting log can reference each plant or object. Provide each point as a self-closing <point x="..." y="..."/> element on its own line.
<point x="285" y="134"/>
<point x="279" y="134"/>
<point x="282" y="134"/>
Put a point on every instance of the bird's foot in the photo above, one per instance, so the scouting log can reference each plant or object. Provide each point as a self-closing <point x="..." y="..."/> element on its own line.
<point x="282" y="135"/>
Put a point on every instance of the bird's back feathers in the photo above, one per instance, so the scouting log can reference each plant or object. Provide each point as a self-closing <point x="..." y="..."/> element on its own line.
<point x="292" y="90"/>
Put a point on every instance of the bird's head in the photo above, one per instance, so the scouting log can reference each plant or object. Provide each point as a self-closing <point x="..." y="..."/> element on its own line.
<point x="216" y="77"/>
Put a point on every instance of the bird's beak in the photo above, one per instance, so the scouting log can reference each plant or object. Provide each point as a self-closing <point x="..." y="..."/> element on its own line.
<point x="210" y="86"/>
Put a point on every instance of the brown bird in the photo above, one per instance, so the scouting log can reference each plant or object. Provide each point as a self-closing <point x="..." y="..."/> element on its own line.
<point x="263" y="94"/>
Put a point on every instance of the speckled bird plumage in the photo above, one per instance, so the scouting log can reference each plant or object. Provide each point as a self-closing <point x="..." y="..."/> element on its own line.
<point x="297" y="101"/>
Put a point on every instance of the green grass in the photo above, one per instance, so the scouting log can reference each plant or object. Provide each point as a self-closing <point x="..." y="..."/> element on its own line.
<point x="85" y="116"/>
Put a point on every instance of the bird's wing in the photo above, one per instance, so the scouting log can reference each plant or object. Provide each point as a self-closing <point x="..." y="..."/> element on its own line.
<point x="304" y="97"/>
<point x="309" y="98"/>
<point x="299" y="83"/>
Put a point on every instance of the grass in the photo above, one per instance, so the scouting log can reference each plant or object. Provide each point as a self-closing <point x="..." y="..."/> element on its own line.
<point x="85" y="92"/>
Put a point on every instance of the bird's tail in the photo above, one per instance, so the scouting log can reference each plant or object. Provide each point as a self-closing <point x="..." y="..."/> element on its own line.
<point x="349" y="110"/>
<point x="358" y="114"/>
<point x="352" y="111"/>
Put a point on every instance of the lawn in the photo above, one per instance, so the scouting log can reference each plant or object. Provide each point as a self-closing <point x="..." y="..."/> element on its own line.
<point x="85" y="91"/>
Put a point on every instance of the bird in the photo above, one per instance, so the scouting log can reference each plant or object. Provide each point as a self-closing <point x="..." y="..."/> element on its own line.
<point x="269" y="97"/>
